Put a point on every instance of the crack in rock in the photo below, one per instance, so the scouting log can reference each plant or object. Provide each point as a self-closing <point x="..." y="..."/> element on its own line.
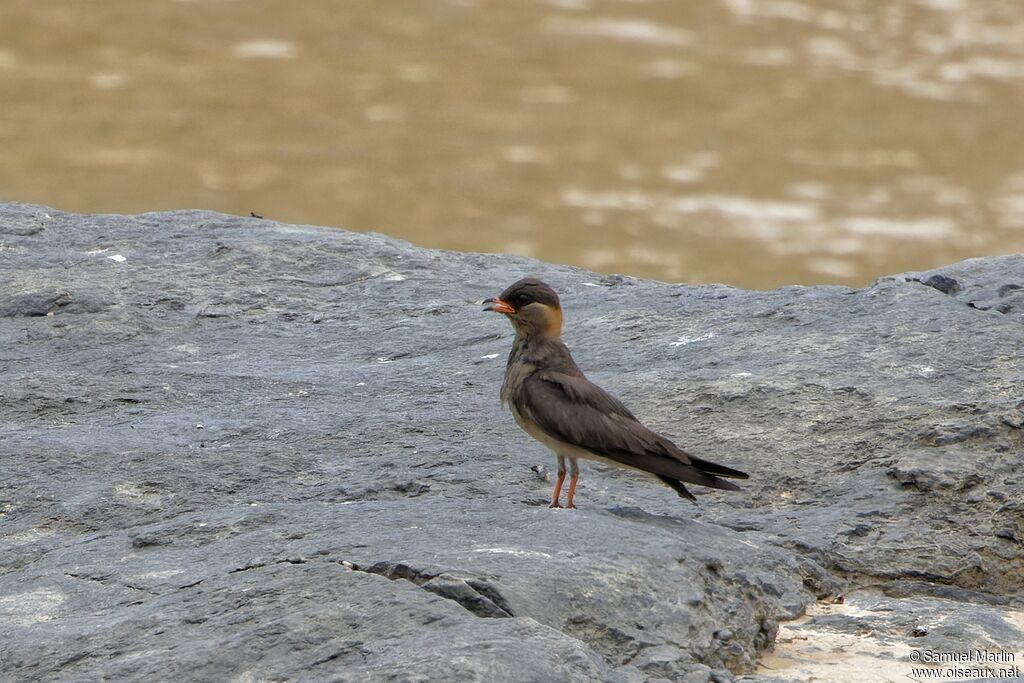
<point x="260" y="565"/>
<point x="108" y="580"/>
<point x="475" y="595"/>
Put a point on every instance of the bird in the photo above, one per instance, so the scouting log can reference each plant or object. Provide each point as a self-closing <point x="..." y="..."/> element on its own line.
<point x="554" y="402"/>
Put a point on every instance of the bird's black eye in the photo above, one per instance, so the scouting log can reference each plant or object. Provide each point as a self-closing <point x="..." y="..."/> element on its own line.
<point x="520" y="300"/>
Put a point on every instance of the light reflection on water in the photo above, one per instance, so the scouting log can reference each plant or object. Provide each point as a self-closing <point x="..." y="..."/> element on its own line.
<point x="754" y="142"/>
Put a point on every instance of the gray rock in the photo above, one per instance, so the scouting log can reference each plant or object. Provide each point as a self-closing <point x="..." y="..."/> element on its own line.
<point x="248" y="450"/>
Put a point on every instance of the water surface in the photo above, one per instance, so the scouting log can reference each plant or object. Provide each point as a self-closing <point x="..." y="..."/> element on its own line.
<point x="753" y="142"/>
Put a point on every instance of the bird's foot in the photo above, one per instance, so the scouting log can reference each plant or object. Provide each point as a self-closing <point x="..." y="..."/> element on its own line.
<point x="570" y="506"/>
<point x="556" y="504"/>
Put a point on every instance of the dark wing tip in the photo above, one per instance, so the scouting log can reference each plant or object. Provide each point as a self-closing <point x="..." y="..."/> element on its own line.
<point x="678" y="487"/>
<point x="726" y="485"/>
<point x="716" y="469"/>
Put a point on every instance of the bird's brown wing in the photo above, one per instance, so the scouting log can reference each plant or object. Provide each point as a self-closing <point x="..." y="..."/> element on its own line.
<point x="576" y="411"/>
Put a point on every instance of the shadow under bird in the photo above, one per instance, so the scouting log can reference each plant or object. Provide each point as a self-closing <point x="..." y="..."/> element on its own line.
<point x="556" y="404"/>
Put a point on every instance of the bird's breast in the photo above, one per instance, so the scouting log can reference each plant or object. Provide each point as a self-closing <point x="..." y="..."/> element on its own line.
<point x="516" y="373"/>
<point x="534" y="430"/>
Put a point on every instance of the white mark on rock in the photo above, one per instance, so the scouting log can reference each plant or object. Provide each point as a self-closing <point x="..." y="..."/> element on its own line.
<point x="29" y="536"/>
<point x="97" y="251"/>
<point x="360" y="384"/>
<point x="163" y="574"/>
<point x="31" y="607"/>
<point x="923" y="369"/>
<point x="117" y="257"/>
<point x="591" y="284"/>
<point x="684" y="340"/>
<point x="490" y="356"/>
<point x="382" y="360"/>
<point x="741" y="374"/>
<point x="513" y="551"/>
<point x="134" y="491"/>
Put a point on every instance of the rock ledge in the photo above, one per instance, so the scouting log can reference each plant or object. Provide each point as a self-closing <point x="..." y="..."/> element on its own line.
<point x="234" y="449"/>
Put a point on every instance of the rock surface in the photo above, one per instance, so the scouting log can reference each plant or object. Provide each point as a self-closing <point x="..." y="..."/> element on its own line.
<point x="232" y="449"/>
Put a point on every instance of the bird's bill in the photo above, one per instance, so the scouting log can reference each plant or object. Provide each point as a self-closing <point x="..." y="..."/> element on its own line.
<point x="498" y="306"/>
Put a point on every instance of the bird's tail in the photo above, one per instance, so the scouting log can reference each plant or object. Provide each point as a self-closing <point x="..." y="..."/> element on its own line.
<point x="716" y="469"/>
<point x="712" y="469"/>
<point x="701" y="478"/>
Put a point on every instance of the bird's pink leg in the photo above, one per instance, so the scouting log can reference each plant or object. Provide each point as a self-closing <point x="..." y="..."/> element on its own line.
<point x="557" y="493"/>
<point x="572" y="490"/>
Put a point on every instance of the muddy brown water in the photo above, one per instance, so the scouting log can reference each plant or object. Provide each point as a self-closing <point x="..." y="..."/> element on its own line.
<point x="752" y="142"/>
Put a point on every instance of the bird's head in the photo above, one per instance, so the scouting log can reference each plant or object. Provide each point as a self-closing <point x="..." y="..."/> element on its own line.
<point x="532" y="307"/>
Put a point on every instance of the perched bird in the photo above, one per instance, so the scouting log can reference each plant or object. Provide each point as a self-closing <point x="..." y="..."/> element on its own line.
<point x="557" y="405"/>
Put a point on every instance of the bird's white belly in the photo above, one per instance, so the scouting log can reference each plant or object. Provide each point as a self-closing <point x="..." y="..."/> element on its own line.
<point x="559" y="447"/>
